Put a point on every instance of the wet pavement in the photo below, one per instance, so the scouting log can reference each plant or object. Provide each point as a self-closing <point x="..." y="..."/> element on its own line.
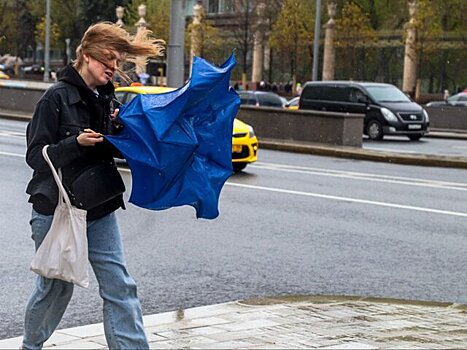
<point x="324" y="322"/>
<point x="327" y="322"/>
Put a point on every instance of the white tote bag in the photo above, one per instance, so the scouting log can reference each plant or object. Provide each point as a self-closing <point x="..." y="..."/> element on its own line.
<point x="63" y="253"/>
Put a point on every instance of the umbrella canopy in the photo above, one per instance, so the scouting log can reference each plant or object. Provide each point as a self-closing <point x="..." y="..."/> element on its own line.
<point x="178" y="145"/>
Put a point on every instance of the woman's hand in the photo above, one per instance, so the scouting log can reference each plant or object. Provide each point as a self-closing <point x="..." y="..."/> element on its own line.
<point x="117" y="126"/>
<point x="115" y="113"/>
<point x="89" y="138"/>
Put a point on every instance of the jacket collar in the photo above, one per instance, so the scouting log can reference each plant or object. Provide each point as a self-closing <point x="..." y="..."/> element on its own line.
<point x="79" y="88"/>
<point x="73" y="95"/>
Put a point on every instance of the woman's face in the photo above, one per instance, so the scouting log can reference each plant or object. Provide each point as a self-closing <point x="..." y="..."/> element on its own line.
<point x="100" y="71"/>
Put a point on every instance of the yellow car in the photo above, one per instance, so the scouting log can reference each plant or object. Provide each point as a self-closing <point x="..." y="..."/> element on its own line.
<point x="244" y="141"/>
<point x="3" y="75"/>
<point x="293" y="103"/>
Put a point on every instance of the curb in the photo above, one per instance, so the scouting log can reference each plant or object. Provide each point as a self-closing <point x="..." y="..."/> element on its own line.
<point x="335" y="299"/>
<point x="447" y="134"/>
<point x="363" y="154"/>
<point x="7" y="114"/>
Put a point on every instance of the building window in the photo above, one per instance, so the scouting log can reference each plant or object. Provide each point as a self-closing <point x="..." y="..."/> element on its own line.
<point x="228" y="6"/>
<point x="213" y="6"/>
<point x="220" y="6"/>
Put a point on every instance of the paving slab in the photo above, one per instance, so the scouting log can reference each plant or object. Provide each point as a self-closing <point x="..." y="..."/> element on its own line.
<point x="291" y="322"/>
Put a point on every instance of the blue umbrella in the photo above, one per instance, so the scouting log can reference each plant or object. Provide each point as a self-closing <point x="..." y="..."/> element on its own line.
<point x="178" y="145"/>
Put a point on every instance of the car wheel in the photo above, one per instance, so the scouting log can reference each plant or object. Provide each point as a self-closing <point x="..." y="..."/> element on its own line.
<point x="415" y="137"/>
<point x="237" y="167"/>
<point x="374" y="130"/>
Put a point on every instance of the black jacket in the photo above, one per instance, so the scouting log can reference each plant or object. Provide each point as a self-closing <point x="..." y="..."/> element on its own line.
<point x="66" y="109"/>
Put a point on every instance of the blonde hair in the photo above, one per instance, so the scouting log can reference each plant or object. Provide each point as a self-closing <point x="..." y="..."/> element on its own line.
<point x="101" y="38"/>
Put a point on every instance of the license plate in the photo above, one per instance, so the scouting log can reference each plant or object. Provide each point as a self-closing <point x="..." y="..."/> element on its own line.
<point x="415" y="126"/>
<point x="236" y="149"/>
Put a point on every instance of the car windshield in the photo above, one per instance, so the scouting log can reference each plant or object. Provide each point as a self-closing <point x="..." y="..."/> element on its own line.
<point x="386" y="94"/>
<point x="293" y="102"/>
<point x="459" y="97"/>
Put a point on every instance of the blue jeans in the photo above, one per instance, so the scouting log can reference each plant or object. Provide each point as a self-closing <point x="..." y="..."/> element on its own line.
<point x="123" y="321"/>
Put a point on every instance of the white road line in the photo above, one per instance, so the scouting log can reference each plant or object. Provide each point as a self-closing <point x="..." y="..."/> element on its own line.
<point x="363" y="176"/>
<point x="13" y="134"/>
<point x="348" y="199"/>
<point x="12" y="154"/>
<point x="316" y="195"/>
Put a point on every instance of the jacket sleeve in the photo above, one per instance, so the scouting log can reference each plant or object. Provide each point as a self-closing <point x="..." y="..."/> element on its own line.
<point x="44" y="130"/>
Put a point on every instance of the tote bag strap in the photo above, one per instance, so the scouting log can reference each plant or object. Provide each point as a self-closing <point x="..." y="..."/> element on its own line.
<point x="57" y="176"/>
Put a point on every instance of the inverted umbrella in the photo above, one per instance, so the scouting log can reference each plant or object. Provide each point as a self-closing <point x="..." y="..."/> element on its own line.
<point x="178" y="145"/>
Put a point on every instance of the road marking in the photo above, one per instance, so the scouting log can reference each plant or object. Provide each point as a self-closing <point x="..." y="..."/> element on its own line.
<point x="363" y="176"/>
<point x="316" y="195"/>
<point x="12" y="154"/>
<point x="13" y="134"/>
<point x="348" y="199"/>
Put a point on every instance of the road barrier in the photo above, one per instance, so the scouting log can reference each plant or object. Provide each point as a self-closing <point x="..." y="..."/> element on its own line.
<point x="341" y="129"/>
<point x="448" y="118"/>
<point x="17" y="95"/>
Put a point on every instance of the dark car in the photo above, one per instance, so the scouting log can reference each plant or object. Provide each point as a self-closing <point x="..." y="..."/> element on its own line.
<point x="459" y="99"/>
<point x="387" y="110"/>
<point x="260" y="98"/>
<point x="33" y="69"/>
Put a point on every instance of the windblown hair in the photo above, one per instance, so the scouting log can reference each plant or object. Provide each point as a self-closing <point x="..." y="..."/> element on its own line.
<point x="102" y="37"/>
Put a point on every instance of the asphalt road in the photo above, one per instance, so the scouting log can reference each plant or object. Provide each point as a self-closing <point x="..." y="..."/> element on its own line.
<point x="290" y="224"/>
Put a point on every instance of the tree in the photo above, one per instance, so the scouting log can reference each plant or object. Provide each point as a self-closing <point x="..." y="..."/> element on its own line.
<point x="428" y="27"/>
<point x="93" y="11"/>
<point x="271" y="13"/>
<point x="159" y="18"/>
<point x="40" y="32"/>
<point x="354" y="36"/>
<point x="72" y="17"/>
<point x="384" y="14"/>
<point x="68" y="16"/>
<point x="292" y="33"/>
<point x="242" y="34"/>
<point x="211" y="43"/>
<point x="16" y="27"/>
<point x="447" y="68"/>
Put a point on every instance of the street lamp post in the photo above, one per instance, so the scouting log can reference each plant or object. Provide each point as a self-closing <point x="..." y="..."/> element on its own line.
<point x="47" y="42"/>
<point x="68" y="50"/>
<point x="175" y="66"/>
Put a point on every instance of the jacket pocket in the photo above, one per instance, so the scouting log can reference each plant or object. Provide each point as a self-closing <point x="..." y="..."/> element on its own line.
<point x="67" y="130"/>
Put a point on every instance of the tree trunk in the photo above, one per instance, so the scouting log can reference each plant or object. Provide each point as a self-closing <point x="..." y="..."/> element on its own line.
<point x="271" y="59"/>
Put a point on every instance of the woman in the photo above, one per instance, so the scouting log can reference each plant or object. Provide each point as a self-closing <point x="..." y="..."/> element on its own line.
<point x="72" y="117"/>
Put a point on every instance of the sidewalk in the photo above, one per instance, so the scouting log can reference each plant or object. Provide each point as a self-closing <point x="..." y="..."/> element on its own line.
<point x="325" y="322"/>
